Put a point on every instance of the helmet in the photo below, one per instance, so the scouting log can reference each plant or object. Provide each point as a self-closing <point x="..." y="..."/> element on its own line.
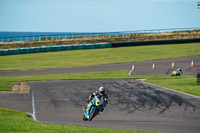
<point x="101" y="90"/>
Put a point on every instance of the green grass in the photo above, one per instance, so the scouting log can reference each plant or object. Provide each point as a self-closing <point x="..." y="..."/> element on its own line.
<point x="19" y="122"/>
<point x="96" y="56"/>
<point x="14" y="121"/>
<point x="187" y="84"/>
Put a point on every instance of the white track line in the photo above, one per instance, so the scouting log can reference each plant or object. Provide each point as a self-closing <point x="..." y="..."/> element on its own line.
<point x="33" y="106"/>
<point x="173" y="90"/>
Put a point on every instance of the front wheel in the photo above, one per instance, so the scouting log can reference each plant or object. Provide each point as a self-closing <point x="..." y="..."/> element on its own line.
<point x="84" y="118"/>
<point x="92" y="114"/>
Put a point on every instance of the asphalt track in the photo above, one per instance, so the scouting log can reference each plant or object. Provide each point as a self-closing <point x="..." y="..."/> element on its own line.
<point x="133" y="104"/>
<point x="162" y="67"/>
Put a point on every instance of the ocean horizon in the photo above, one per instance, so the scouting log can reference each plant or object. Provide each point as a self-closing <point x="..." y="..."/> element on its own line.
<point x="30" y="36"/>
<point x="6" y="36"/>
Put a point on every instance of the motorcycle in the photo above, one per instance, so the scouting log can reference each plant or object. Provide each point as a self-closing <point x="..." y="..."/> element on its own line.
<point x="177" y="73"/>
<point x="93" y="108"/>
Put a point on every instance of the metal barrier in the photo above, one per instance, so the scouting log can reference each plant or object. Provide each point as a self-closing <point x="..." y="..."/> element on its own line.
<point x="53" y="48"/>
<point x="96" y="35"/>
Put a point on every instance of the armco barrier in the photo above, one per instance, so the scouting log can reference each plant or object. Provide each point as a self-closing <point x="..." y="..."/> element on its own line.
<point x="156" y="42"/>
<point x="53" y="48"/>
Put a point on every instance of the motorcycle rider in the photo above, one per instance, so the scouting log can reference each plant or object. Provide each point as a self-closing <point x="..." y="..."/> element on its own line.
<point x="177" y="72"/>
<point x="101" y="93"/>
<point x="179" y="69"/>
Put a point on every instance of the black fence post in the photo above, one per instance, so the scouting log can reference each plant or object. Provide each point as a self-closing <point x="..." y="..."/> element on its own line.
<point x="198" y="78"/>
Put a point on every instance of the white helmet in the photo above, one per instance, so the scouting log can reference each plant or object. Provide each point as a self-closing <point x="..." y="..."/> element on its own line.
<point x="101" y="90"/>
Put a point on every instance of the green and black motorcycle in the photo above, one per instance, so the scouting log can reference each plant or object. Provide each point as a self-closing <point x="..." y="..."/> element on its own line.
<point x="177" y="72"/>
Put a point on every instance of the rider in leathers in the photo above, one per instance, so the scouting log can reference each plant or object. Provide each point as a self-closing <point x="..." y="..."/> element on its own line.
<point x="101" y="93"/>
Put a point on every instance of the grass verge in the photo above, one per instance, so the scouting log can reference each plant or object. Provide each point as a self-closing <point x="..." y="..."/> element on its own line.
<point x="96" y="56"/>
<point x="19" y="122"/>
<point x="187" y="84"/>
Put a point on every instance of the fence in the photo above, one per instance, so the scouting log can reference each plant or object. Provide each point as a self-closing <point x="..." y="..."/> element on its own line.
<point x="122" y="34"/>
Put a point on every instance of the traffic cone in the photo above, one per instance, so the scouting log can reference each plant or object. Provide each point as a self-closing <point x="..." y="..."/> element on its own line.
<point x="153" y="67"/>
<point x="173" y="65"/>
<point x="192" y="64"/>
<point x="133" y="67"/>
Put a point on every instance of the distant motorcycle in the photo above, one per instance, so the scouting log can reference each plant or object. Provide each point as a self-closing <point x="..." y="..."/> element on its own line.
<point x="93" y="108"/>
<point x="177" y="72"/>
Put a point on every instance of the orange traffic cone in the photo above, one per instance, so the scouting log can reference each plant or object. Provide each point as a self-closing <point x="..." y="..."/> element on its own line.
<point x="133" y="67"/>
<point x="173" y="65"/>
<point x="131" y="71"/>
<point x="153" y="67"/>
<point x="192" y="64"/>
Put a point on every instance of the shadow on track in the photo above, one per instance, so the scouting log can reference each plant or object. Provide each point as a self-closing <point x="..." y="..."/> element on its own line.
<point x="124" y="95"/>
<point x="140" y="97"/>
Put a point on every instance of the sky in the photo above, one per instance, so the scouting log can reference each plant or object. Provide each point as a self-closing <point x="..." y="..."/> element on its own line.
<point x="97" y="15"/>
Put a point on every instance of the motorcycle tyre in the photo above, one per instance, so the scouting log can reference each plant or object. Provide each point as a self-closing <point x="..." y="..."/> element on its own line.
<point x="92" y="114"/>
<point x="84" y="118"/>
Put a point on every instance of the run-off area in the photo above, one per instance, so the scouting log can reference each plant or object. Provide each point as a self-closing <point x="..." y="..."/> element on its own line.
<point x="132" y="104"/>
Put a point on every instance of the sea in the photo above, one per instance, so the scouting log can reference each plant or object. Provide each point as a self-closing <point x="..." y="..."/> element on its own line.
<point x="29" y="36"/>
